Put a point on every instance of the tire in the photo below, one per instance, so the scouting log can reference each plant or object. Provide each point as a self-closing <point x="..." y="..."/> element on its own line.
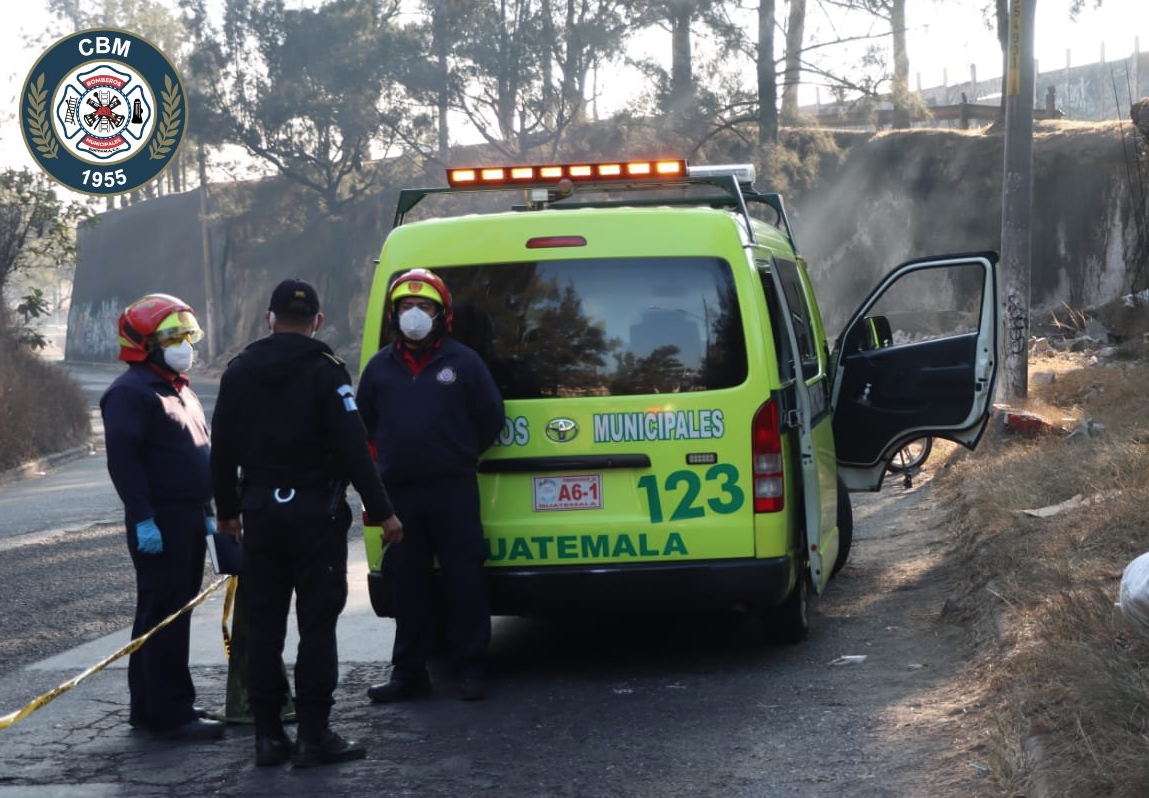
<point x="845" y="527"/>
<point x="911" y="456"/>
<point x="789" y="622"/>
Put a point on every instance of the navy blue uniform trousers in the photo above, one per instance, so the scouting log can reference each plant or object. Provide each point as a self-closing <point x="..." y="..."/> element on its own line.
<point x="293" y="547"/>
<point x="440" y="519"/>
<point x="159" y="680"/>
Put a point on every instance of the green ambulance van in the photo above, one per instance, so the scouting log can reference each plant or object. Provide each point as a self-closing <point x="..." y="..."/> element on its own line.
<point x="678" y="432"/>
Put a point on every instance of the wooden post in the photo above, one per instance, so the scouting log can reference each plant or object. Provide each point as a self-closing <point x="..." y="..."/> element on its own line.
<point x="1017" y="198"/>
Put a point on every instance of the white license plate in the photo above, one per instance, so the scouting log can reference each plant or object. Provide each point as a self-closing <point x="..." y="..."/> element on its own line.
<point x="568" y="493"/>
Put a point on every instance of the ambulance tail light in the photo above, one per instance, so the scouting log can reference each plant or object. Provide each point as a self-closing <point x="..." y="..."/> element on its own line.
<point x="766" y="448"/>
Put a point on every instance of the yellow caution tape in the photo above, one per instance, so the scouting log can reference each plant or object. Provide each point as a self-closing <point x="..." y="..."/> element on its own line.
<point x="13" y="717"/>
<point x="228" y="600"/>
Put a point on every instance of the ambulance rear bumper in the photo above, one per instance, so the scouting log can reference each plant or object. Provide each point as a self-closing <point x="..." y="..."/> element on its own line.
<point x="640" y="587"/>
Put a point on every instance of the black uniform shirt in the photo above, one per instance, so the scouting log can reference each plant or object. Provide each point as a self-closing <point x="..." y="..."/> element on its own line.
<point x="286" y="414"/>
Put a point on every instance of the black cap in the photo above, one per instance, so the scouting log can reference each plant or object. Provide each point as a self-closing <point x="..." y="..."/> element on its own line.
<point x="294" y="297"/>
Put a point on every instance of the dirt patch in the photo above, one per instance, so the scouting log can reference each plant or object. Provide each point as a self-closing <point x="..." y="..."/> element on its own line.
<point x="904" y="579"/>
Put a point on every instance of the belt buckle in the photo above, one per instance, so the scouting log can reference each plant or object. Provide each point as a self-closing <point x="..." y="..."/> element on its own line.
<point x="283" y="499"/>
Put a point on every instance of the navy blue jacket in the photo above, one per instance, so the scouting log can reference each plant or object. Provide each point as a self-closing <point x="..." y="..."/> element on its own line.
<point x="157" y="441"/>
<point x="434" y="424"/>
<point x="287" y="416"/>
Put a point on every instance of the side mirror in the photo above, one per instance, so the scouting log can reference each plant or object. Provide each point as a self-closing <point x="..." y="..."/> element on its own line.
<point x="873" y="332"/>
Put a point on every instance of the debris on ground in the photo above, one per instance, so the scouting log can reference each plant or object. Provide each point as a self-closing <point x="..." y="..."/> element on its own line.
<point x="1078" y="500"/>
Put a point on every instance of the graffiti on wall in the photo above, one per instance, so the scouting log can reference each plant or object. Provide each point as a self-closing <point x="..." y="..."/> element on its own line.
<point x="92" y="330"/>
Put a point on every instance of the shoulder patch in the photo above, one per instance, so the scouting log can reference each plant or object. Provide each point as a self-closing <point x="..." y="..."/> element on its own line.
<point x="334" y="359"/>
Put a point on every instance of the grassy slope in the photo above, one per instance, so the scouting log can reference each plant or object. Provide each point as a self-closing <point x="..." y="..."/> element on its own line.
<point x="41" y="409"/>
<point x="1057" y="661"/>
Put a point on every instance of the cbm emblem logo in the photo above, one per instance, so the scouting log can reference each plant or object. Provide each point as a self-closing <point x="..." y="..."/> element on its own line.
<point x="103" y="111"/>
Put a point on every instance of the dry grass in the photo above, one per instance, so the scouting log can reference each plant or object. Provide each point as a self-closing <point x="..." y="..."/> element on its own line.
<point x="1056" y="659"/>
<point x="41" y="409"/>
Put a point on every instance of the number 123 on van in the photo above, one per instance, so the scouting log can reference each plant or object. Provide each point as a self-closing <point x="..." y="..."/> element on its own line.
<point x="583" y="492"/>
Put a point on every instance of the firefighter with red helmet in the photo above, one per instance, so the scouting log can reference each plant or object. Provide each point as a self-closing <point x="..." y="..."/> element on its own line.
<point x="432" y="407"/>
<point x="158" y="458"/>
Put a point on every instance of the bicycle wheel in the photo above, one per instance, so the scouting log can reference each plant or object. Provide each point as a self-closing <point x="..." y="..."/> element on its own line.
<point x="912" y="455"/>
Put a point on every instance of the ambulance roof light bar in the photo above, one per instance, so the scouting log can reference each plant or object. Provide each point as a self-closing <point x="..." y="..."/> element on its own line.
<point x="657" y="170"/>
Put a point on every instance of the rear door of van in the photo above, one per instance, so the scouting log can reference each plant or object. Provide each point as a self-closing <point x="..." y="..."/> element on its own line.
<point x="623" y="364"/>
<point x="919" y="357"/>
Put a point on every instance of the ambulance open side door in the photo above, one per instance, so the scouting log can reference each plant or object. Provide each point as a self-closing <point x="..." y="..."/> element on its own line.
<point x="918" y="358"/>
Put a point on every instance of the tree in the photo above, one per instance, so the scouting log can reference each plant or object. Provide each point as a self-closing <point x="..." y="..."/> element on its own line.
<point x="36" y="227"/>
<point x="792" y="75"/>
<point x="310" y="92"/>
<point x="767" y="76"/>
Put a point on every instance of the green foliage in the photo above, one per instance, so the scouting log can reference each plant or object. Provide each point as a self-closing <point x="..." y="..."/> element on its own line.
<point x="32" y="305"/>
<point x="36" y="227"/>
<point x="312" y="92"/>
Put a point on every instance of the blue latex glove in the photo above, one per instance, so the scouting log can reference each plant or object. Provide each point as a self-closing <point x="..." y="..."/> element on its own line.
<point x="148" y="540"/>
<point x="209" y="524"/>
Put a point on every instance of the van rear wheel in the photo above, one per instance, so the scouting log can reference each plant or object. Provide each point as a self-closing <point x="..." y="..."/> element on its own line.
<point x="789" y="622"/>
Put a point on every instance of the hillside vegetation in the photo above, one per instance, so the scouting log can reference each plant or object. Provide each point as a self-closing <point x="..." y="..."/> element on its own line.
<point x="42" y="410"/>
<point x="1067" y="678"/>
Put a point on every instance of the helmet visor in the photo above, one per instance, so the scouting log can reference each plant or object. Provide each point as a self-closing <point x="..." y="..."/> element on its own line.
<point x="416" y="288"/>
<point x="181" y="325"/>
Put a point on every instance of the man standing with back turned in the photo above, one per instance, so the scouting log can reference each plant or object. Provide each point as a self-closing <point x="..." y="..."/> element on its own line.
<point x="286" y="416"/>
<point x="432" y="408"/>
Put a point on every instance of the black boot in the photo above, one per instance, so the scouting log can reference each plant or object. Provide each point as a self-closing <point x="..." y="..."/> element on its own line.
<point x="271" y="750"/>
<point x="327" y="749"/>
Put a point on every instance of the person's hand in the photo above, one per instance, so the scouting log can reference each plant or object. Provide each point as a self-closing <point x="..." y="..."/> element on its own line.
<point x="231" y="526"/>
<point x="148" y="540"/>
<point x="392" y="530"/>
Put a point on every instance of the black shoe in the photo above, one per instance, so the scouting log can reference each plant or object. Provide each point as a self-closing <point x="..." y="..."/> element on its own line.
<point x="327" y="750"/>
<point x="136" y="723"/>
<point x="399" y="690"/>
<point x="198" y="729"/>
<point x="473" y="689"/>
<point x="271" y="751"/>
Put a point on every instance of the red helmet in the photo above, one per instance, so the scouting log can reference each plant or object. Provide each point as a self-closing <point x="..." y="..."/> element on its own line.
<point x="422" y="283"/>
<point x="152" y="319"/>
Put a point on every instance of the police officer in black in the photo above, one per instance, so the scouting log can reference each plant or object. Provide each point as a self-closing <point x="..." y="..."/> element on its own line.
<point x="286" y="423"/>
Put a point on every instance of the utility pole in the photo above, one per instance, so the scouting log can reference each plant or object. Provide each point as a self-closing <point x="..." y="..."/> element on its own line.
<point x="1017" y="197"/>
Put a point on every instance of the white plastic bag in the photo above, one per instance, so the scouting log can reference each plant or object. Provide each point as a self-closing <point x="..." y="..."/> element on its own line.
<point x="1134" y="600"/>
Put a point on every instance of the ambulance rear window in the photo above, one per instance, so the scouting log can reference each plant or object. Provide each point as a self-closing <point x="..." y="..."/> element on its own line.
<point x="604" y="327"/>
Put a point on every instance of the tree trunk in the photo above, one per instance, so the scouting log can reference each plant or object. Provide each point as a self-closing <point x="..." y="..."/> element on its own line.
<point x="901" y="87"/>
<point x="1003" y="40"/>
<point x="767" y="76"/>
<point x="440" y="30"/>
<point x="573" y="99"/>
<point x="681" y="68"/>
<point x="550" y="118"/>
<point x="795" y="32"/>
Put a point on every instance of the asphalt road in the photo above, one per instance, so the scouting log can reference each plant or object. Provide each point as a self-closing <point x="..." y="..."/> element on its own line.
<point x="78" y="494"/>
<point x="629" y="706"/>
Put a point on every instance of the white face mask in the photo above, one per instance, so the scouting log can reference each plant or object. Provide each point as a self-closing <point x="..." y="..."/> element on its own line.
<point x="415" y="324"/>
<point x="180" y="357"/>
